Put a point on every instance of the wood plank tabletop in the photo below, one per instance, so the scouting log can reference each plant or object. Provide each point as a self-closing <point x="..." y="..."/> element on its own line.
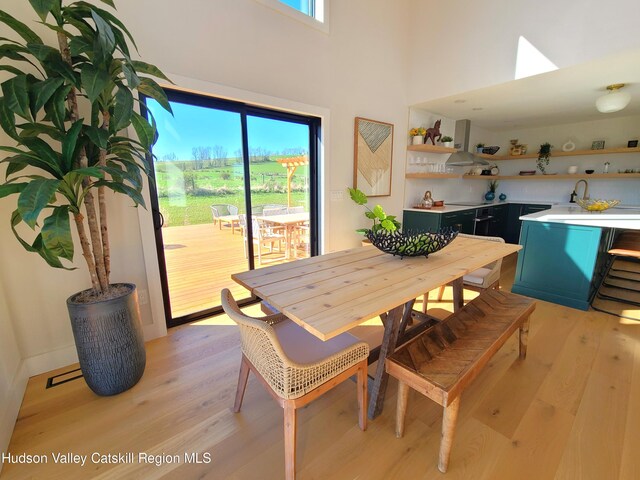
<point x="330" y="294"/>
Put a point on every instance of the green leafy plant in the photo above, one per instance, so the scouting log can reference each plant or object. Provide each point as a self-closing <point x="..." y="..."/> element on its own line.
<point x="381" y="221"/>
<point x="64" y="107"/>
<point x="493" y="185"/>
<point x="543" y="156"/>
<point x="446" y="139"/>
<point x="479" y="145"/>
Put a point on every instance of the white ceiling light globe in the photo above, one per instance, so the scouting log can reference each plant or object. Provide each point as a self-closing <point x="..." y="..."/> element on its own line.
<point x="613" y="101"/>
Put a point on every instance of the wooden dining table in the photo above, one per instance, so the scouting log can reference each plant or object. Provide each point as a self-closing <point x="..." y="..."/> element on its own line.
<point x="289" y="221"/>
<point x="332" y="293"/>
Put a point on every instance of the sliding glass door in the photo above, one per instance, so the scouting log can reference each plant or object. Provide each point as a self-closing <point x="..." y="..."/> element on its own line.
<point x="234" y="189"/>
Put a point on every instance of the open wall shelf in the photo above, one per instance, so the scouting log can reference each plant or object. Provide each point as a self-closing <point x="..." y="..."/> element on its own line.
<point x="431" y="149"/>
<point x="554" y="154"/>
<point x="561" y="176"/>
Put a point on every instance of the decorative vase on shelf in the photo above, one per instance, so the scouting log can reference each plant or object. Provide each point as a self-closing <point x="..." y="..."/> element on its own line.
<point x="489" y="196"/>
<point x="502" y="197"/>
<point x="417" y="140"/>
<point x="448" y="144"/>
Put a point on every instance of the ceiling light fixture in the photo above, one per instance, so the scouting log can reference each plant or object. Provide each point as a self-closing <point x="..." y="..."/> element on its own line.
<point x="614" y="100"/>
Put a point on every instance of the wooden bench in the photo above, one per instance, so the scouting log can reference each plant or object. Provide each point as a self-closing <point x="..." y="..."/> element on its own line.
<point x="443" y="360"/>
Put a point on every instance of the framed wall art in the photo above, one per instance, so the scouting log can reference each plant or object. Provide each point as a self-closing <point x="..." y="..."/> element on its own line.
<point x="373" y="151"/>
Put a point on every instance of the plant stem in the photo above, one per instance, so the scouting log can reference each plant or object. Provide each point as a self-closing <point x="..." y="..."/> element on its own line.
<point x="96" y="267"/>
<point x="86" y="251"/>
<point x="102" y="204"/>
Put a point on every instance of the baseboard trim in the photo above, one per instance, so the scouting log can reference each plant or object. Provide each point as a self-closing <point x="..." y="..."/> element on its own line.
<point x="9" y="416"/>
<point x="51" y="360"/>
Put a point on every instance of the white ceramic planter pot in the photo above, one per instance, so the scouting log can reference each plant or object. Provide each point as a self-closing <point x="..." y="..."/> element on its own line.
<point x="417" y="140"/>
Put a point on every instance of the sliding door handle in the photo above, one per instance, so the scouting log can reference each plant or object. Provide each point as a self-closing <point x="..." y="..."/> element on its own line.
<point x="158" y="219"/>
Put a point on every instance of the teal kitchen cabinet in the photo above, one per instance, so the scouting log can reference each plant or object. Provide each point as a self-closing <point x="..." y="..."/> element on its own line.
<point x="462" y="220"/>
<point x="558" y="262"/>
<point x="513" y="223"/>
<point x="498" y="224"/>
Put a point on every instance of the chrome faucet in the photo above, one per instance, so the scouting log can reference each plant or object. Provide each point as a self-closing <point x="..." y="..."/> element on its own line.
<point x="585" y="195"/>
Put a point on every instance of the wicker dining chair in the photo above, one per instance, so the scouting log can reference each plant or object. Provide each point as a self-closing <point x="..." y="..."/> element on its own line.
<point x="478" y="280"/>
<point x="295" y="367"/>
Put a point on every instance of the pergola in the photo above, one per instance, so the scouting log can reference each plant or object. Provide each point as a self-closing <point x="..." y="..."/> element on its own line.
<point x="291" y="164"/>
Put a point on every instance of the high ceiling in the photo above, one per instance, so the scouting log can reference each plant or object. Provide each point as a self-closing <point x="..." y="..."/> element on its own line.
<point x="562" y="96"/>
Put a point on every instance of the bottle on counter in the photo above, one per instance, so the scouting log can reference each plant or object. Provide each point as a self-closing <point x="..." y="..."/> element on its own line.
<point x="606" y="167"/>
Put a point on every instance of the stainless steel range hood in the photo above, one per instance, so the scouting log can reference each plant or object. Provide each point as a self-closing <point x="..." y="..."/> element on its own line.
<point x="464" y="157"/>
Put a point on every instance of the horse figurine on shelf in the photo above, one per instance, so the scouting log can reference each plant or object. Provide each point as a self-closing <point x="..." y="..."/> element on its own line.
<point x="433" y="132"/>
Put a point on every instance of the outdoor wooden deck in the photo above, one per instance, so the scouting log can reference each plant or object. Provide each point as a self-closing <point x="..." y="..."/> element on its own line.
<point x="200" y="260"/>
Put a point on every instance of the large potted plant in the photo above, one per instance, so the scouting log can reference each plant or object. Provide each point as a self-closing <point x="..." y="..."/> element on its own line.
<point x="63" y="108"/>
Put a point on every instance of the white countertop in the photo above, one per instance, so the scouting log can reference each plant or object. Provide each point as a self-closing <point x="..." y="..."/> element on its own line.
<point x="574" y="215"/>
<point x="460" y="208"/>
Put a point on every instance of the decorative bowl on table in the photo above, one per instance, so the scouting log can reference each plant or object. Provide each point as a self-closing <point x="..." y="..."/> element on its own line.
<point x="411" y="244"/>
<point x="597" y="205"/>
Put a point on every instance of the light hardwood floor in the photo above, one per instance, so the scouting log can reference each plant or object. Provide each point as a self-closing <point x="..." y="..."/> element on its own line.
<point x="571" y="410"/>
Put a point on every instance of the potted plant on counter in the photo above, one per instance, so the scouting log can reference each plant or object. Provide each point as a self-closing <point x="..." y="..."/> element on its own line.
<point x="479" y="147"/>
<point x="63" y="109"/>
<point x="491" y="194"/>
<point x="447" y="141"/>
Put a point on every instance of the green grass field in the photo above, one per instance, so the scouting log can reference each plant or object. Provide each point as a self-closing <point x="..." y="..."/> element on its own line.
<point x="186" y="193"/>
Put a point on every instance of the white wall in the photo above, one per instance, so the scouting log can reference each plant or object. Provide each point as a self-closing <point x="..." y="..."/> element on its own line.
<point x="13" y="375"/>
<point x="359" y="69"/>
<point x="461" y="45"/>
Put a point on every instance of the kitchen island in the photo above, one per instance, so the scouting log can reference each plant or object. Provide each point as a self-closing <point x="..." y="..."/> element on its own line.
<point x="565" y="252"/>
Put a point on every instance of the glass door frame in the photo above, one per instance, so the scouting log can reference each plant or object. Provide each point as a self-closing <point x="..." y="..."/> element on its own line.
<point x="244" y="109"/>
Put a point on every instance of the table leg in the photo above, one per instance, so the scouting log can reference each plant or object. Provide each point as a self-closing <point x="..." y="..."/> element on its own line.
<point x="458" y="294"/>
<point x="287" y="240"/>
<point x="391" y="327"/>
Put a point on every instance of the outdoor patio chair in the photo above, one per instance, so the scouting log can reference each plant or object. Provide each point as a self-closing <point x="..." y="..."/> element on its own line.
<point x="295" y="367"/>
<point x="225" y="214"/>
<point x="263" y="235"/>
<point x="268" y="211"/>
<point x="478" y="280"/>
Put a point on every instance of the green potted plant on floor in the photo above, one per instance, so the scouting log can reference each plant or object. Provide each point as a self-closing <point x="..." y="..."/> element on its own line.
<point x="63" y="108"/>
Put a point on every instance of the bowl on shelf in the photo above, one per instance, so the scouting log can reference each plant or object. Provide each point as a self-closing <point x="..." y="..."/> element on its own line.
<point x="411" y="244"/>
<point x="490" y="150"/>
<point x="597" y="205"/>
<point x="589" y="172"/>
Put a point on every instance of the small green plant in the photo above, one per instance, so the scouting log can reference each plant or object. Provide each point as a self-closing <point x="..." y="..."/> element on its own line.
<point x="446" y="139"/>
<point x="381" y="221"/>
<point x="479" y="145"/>
<point x="493" y="185"/>
<point x="543" y="156"/>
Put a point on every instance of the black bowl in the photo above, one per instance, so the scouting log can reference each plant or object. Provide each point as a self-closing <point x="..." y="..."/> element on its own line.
<point x="411" y="245"/>
<point x="490" y="150"/>
<point x="589" y="172"/>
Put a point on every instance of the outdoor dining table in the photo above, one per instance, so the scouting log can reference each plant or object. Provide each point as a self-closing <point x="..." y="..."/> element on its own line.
<point x="289" y="221"/>
<point x="332" y="293"/>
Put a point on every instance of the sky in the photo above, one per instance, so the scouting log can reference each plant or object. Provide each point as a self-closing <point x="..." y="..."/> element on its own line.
<point x="192" y="126"/>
